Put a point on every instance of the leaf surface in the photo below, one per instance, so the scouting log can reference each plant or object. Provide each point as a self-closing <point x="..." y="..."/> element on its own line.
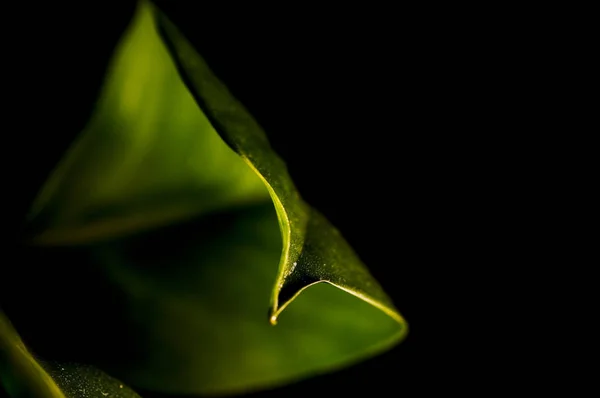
<point x="24" y="376"/>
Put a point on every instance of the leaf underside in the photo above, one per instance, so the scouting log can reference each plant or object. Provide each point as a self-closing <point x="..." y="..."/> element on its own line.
<point x="174" y="241"/>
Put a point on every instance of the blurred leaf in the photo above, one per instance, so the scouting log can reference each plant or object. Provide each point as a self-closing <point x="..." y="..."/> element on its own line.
<point x="181" y="308"/>
<point x="148" y="156"/>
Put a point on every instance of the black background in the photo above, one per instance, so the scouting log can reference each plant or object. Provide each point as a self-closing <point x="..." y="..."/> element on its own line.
<point x="387" y="119"/>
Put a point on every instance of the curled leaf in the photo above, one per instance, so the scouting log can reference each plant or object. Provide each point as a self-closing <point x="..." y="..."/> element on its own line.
<point x="313" y="250"/>
<point x="173" y="240"/>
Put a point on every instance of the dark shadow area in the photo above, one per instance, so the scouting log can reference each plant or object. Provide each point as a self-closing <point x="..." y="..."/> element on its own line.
<point x="67" y="305"/>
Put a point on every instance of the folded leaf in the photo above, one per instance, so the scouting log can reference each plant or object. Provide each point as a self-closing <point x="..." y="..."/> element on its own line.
<point x="313" y="250"/>
<point x="174" y="240"/>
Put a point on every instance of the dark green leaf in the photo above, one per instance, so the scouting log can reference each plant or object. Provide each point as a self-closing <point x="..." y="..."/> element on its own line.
<point x="313" y="250"/>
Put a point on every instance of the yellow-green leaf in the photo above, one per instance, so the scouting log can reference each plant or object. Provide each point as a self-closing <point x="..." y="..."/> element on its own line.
<point x="20" y="374"/>
<point x="148" y="157"/>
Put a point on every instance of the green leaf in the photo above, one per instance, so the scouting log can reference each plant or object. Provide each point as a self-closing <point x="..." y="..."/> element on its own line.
<point x="174" y="242"/>
<point x="23" y="376"/>
<point x="20" y="374"/>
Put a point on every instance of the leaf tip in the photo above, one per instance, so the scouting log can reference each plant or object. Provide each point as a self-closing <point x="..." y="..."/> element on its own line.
<point x="273" y="314"/>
